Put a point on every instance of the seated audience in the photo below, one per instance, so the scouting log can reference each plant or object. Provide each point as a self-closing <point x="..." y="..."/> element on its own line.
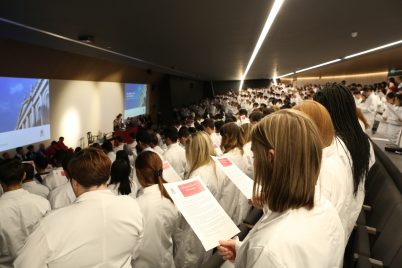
<point x="120" y="183"/>
<point x="56" y="177"/>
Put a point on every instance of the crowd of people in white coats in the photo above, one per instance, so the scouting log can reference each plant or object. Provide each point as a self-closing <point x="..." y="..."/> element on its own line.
<point x="105" y="205"/>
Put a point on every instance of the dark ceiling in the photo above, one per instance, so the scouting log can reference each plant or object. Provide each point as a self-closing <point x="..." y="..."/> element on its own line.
<point x="210" y="40"/>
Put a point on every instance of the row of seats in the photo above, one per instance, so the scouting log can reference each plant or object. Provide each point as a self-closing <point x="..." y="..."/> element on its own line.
<point x="377" y="238"/>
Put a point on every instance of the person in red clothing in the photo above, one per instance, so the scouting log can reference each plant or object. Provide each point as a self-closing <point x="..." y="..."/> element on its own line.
<point x="61" y="144"/>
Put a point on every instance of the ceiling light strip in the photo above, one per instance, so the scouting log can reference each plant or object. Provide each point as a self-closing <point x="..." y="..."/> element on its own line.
<point x="270" y="20"/>
<point x="345" y="58"/>
<point x="374" y="49"/>
<point x="317" y="66"/>
<point x="92" y="46"/>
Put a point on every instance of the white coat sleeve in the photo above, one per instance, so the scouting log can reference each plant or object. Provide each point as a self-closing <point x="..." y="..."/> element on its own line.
<point x="35" y="252"/>
<point x="259" y="257"/>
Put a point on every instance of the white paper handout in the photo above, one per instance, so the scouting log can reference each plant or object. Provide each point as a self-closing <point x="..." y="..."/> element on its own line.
<point x="59" y="174"/>
<point x="243" y="182"/>
<point x="202" y="212"/>
<point x="169" y="174"/>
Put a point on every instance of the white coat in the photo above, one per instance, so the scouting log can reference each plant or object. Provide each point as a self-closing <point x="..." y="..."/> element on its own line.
<point x="161" y="222"/>
<point x="190" y="252"/>
<point x="350" y="208"/>
<point x="336" y="185"/>
<point x="98" y="230"/>
<point x="36" y="188"/>
<point x="52" y="181"/>
<point x="62" y="196"/>
<point x="112" y="156"/>
<point x="176" y="156"/>
<point x="20" y="211"/>
<point x="250" y="160"/>
<point x="232" y="200"/>
<point x="295" y="238"/>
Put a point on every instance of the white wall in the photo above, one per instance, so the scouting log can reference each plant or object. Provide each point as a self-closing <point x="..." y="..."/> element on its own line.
<point x="77" y="107"/>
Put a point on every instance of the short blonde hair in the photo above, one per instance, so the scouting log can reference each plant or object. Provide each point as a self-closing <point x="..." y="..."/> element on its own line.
<point x="320" y="116"/>
<point x="198" y="151"/>
<point x="289" y="181"/>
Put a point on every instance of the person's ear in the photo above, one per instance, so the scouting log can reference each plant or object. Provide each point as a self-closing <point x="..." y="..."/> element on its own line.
<point x="271" y="156"/>
<point x="75" y="185"/>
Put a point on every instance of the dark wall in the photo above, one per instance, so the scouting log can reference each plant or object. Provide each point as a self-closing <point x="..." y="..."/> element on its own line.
<point x="221" y="87"/>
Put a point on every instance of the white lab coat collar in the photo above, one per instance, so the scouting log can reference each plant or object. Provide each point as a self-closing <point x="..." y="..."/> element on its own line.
<point x="173" y="145"/>
<point x="93" y="195"/>
<point x="151" y="189"/>
<point x="14" y="193"/>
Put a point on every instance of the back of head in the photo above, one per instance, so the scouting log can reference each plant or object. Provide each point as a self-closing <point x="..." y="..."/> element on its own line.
<point x="243" y="112"/>
<point x="198" y="151"/>
<point x="149" y="169"/>
<point x="120" y="173"/>
<point x="11" y="172"/>
<point x="122" y="154"/>
<point x="107" y="146"/>
<point x="90" y="167"/>
<point x="40" y="163"/>
<point x="288" y="175"/>
<point x="171" y="133"/>
<point x="146" y="136"/>
<point x="321" y="118"/>
<point x="208" y="123"/>
<point x="341" y="106"/>
<point x="232" y="137"/>
<point x="256" y="116"/>
<point x="218" y="125"/>
<point x="183" y="132"/>
<point x="29" y="171"/>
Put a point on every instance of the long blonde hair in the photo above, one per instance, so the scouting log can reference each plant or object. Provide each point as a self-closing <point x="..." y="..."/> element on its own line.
<point x="288" y="180"/>
<point x="320" y="116"/>
<point x="198" y="151"/>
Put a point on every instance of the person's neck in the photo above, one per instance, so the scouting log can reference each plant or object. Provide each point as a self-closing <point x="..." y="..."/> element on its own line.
<point x="83" y="190"/>
<point x="9" y="188"/>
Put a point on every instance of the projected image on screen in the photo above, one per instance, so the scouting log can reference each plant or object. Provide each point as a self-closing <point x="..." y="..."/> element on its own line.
<point x="135" y="99"/>
<point x="24" y="111"/>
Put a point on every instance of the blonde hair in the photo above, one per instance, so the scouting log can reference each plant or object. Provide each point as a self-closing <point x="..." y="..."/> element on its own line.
<point x="198" y="151"/>
<point x="287" y="181"/>
<point x="320" y="116"/>
<point x="232" y="137"/>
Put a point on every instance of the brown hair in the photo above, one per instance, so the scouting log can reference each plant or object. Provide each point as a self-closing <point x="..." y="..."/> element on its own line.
<point x="320" y="116"/>
<point x="246" y="132"/>
<point x="149" y="169"/>
<point x="231" y="137"/>
<point x="289" y="181"/>
<point x="90" y="167"/>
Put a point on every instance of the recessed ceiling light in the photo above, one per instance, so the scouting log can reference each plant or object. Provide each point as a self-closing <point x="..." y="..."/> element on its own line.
<point x="270" y="20"/>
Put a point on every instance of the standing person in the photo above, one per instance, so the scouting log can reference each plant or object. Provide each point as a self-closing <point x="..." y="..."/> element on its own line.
<point x="120" y="183"/>
<point x="352" y="144"/>
<point x="174" y="154"/>
<point x="232" y="200"/>
<point x="20" y="211"/>
<point x="118" y="122"/>
<point x="98" y="229"/>
<point x="31" y="185"/>
<point x="63" y="195"/>
<point x="369" y="105"/>
<point x="190" y="252"/>
<point x="393" y="117"/>
<point x="161" y="218"/>
<point x="300" y="227"/>
<point x="334" y="182"/>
